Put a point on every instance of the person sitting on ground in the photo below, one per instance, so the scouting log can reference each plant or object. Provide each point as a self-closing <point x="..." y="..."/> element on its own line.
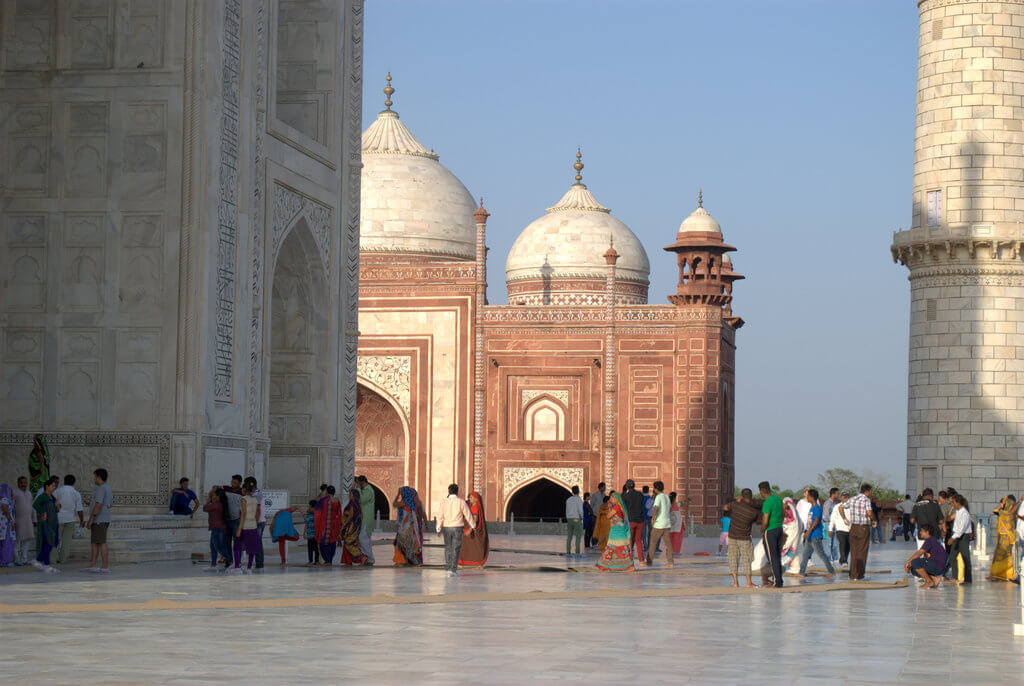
<point x="182" y="499"/>
<point x="929" y="561"/>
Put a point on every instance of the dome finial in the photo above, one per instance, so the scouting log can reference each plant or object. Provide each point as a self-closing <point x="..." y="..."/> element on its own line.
<point x="700" y="197"/>
<point x="579" y="165"/>
<point x="388" y="92"/>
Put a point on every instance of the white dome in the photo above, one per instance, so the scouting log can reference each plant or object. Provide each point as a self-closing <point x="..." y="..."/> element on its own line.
<point x="570" y="240"/>
<point x="409" y="202"/>
<point x="700" y="222"/>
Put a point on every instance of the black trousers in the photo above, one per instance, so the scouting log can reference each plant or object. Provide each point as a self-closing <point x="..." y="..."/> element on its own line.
<point x="588" y="536"/>
<point x="962" y="547"/>
<point x="844" y="546"/>
<point x="772" y="541"/>
<point x="312" y="550"/>
<point x="906" y="527"/>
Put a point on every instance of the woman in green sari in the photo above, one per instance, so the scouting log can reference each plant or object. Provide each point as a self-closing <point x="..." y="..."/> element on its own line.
<point x="1002" y="560"/>
<point x="38" y="463"/>
<point x="47" y="527"/>
<point x="617" y="555"/>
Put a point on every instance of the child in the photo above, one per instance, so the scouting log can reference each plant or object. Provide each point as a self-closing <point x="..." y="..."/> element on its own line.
<point x="312" y="547"/>
<point x="247" y="534"/>
<point x="723" y="538"/>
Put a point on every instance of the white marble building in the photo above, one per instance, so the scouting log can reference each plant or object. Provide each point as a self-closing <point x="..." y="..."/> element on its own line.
<point x="179" y="219"/>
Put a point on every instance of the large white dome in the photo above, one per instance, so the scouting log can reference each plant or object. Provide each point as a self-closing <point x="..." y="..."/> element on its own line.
<point x="409" y="202"/>
<point x="570" y="240"/>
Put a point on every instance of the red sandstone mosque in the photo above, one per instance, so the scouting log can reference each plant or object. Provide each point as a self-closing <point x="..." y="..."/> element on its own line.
<point x="576" y="380"/>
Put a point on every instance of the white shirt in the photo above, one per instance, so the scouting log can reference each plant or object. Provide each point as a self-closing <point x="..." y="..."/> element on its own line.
<point x="574" y="507"/>
<point x="70" y="501"/>
<point x="907" y="506"/>
<point x="836" y="521"/>
<point x="803" y="511"/>
<point x="962" y="523"/>
<point x="455" y="512"/>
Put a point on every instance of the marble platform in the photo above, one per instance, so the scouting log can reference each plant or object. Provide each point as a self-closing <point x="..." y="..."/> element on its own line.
<point x="848" y="637"/>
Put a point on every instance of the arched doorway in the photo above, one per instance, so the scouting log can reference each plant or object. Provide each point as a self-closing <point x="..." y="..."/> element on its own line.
<point x="381" y="446"/>
<point x="299" y="374"/>
<point x="538" y="501"/>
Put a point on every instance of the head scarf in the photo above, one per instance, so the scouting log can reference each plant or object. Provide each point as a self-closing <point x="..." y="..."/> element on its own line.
<point x="480" y="504"/>
<point x="617" y="498"/>
<point x="408" y="496"/>
<point x="7" y="493"/>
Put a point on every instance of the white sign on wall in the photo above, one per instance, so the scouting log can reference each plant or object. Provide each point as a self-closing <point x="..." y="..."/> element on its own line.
<point x="274" y="501"/>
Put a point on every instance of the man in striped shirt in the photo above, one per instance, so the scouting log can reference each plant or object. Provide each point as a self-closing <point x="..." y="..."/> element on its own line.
<point x="858" y="514"/>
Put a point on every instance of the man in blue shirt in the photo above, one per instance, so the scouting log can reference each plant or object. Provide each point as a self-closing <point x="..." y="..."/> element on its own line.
<point x="813" y="537"/>
<point x="182" y="499"/>
<point x="648" y="513"/>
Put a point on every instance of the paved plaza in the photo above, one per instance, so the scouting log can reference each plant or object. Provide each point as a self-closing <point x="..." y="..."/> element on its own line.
<point x="297" y="628"/>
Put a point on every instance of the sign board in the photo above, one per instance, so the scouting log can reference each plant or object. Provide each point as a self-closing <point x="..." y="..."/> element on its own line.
<point x="274" y="501"/>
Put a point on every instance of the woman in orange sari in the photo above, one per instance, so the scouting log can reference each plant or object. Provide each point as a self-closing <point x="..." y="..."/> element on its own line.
<point x="327" y="525"/>
<point x="603" y="525"/>
<point x="409" y="536"/>
<point x="475" y="544"/>
<point x="617" y="555"/>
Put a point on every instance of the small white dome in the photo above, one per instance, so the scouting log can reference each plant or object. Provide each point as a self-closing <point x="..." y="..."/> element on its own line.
<point x="700" y="222"/>
<point x="410" y="203"/>
<point x="570" y="240"/>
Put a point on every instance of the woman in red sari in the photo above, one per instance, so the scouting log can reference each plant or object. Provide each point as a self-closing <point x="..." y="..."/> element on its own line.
<point x="351" y="526"/>
<point x="475" y="544"/>
<point x="327" y="521"/>
<point x="678" y="529"/>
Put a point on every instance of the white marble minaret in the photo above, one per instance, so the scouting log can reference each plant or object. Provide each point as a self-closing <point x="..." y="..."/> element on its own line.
<point x="966" y="389"/>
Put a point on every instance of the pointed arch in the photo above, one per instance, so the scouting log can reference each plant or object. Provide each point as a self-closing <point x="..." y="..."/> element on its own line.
<point x="544" y="419"/>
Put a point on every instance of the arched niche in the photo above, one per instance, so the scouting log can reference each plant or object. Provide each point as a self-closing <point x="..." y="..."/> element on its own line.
<point x="541" y="499"/>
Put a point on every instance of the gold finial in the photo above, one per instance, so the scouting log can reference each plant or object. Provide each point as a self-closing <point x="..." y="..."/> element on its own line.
<point x="700" y="197"/>
<point x="579" y="165"/>
<point x="481" y="202"/>
<point x="388" y="92"/>
<point x="611" y="240"/>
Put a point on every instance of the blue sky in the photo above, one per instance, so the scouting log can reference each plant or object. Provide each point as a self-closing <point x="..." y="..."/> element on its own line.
<point x="796" y="117"/>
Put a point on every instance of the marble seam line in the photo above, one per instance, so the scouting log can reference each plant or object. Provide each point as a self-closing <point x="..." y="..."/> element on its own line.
<point x="63" y="608"/>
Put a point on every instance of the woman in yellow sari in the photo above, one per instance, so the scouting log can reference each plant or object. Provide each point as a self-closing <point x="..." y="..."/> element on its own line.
<point x="603" y="526"/>
<point x="1002" y="560"/>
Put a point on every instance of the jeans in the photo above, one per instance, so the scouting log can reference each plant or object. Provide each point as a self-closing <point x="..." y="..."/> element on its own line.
<point x="647" y="534"/>
<point x="906" y="527"/>
<point x="772" y="542"/>
<point x="232" y="530"/>
<point x="452" y="547"/>
<point x="814" y="545"/>
<point x="574" y="530"/>
<point x="219" y="547"/>
<point x="962" y="547"/>
<point x="876" y="534"/>
<point x="588" y="535"/>
<point x="260" y="526"/>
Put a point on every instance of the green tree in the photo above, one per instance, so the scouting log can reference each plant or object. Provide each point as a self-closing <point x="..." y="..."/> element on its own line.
<point x="843" y="479"/>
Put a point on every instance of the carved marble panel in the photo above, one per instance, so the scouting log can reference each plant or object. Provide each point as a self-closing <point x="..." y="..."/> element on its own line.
<point x="512" y="477"/>
<point x="289" y="473"/>
<point x="137" y="401"/>
<point x="138" y="463"/>
<point x="88" y="117"/>
<point x="141" y="260"/>
<point x="22" y="345"/>
<point x="390" y="373"/>
<point x="84" y="230"/>
<point x="21" y="391"/>
<point x="28" y="163"/>
<point x="138" y="345"/>
<point x="81" y="286"/>
<point x="144" y="153"/>
<point x="89" y="24"/>
<point x="140" y="38"/>
<point x="25" y="287"/>
<point x="25" y="230"/>
<point x="29" y="40"/>
<point x="85" y="163"/>
<point x="79" y="377"/>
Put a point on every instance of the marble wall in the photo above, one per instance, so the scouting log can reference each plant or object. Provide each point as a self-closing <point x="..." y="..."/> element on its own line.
<point x="155" y="155"/>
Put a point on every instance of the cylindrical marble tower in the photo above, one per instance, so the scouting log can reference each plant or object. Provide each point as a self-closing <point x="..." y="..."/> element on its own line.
<point x="966" y="388"/>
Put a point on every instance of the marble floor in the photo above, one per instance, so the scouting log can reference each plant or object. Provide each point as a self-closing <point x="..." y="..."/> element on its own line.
<point x="901" y="635"/>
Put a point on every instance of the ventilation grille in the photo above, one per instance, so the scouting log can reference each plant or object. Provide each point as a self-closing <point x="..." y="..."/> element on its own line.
<point x="937" y="29"/>
<point x="930" y="310"/>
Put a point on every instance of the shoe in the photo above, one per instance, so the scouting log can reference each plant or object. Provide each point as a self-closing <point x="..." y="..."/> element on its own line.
<point x="103" y="570"/>
<point x="50" y="569"/>
<point x="37" y="564"/>
<point x="88" y="570"/>
<point x="246" y="571"/>
<point x="211" y="569"/>
<point x="234" y="571"/>
<point x="450" y="574"/>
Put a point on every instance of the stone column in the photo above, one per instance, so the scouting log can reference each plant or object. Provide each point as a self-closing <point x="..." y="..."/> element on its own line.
<point x="479" y="380"/>
<point x="966" y="400"/>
